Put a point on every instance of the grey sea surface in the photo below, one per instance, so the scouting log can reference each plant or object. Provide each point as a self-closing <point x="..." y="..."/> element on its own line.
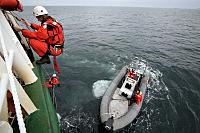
<point x="101" y="40"/>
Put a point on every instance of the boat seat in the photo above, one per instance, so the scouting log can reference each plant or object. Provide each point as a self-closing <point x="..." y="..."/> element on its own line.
<point x="116" y="95"/>
<point x="118" y="108"/>
<point x="128" y="86"/>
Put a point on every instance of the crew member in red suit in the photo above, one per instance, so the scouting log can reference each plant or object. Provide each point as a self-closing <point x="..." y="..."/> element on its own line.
<point x="138" y="97"/>
<point x="53" y="81"/>
<point x="47" y="39"/>
<point x="131" y="73"/>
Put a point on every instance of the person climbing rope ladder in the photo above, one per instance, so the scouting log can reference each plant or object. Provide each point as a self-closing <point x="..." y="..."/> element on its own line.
<point x="47" y="39"/>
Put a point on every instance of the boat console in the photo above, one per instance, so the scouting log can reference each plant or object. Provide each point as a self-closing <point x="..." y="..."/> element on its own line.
<point x="129" y="85"/>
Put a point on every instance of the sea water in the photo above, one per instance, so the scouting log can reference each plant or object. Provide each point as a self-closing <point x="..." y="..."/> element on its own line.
<point x="101" y="40"/>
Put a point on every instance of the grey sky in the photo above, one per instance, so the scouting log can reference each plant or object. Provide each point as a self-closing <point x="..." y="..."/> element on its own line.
<point x="132" y="3"/>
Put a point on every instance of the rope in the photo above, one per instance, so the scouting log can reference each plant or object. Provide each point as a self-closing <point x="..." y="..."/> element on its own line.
<point x="16" y="16"/>
<point x="54" y="97"/>
<point x="13" y="14"/>
<point x="45" y="71"/>
<point x="52" y="89"/>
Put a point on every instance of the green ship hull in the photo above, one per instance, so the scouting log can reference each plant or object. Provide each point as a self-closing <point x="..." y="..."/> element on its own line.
<point x="44" y="120"/>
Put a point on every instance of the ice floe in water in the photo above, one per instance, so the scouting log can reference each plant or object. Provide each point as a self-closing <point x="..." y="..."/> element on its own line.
<point x="99" y="87"/>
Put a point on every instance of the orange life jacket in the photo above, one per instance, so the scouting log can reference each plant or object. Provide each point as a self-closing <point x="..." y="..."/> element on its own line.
<point x="55" y="38"/>
<point x="55" y="33"/>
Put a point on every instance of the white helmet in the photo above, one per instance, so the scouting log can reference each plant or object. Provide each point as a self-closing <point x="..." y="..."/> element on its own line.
<point x="54" y="75"/>
<point x="39" y="10"/>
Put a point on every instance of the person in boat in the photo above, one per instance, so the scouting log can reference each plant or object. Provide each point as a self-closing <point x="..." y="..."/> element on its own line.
<point x="47" y="39"/>
<point x="138" y="97"/>
<point x="131" y="73"/>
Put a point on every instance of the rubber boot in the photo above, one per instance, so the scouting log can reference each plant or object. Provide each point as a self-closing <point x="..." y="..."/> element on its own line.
<point x="44" y="59"/>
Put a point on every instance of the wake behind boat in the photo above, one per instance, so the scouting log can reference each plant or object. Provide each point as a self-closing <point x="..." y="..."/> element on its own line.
<point x="123" y="99"/>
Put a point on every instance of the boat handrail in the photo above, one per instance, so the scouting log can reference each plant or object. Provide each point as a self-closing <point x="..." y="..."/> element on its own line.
<point x="8" y="57"/>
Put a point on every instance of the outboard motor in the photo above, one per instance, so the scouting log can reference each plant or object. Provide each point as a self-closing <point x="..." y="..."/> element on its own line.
<point x="109" y="124"/>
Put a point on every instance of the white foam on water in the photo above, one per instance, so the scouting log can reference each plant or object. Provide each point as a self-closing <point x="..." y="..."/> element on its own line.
<point x="99" y="87"/>
<point x="156" y="83"/>
<point x="111" y="67"/>
<point x="78" y="121"/>
<point x="59" y="117"/>
<point x="157" y="91"/>
<point x="86" y="61"/>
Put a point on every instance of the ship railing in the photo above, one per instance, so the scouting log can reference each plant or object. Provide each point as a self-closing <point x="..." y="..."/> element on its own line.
<point x="8" y="79"/>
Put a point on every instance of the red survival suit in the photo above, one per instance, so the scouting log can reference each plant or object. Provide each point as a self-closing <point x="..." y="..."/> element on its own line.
<point x="52" y="82"/>
<point x="131" y="75"/>
<point x="138" y="98"/>
<point x="11" y="5"/>
<point x="44" y="39"/>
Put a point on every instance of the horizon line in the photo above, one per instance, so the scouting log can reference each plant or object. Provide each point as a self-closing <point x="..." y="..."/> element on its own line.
<point x="119" y="6"/>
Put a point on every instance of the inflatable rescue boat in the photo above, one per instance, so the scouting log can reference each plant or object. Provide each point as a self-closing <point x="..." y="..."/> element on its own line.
<point x="119" y="106"/>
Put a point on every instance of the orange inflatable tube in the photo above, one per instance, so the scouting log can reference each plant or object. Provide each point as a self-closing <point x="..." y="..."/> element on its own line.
<point x="11" y="5"/>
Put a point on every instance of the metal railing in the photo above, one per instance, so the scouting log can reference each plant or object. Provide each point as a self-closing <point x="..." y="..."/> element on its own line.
<point x="9" y="78"/>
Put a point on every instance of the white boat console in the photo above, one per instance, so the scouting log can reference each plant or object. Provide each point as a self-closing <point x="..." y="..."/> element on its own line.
<point x="128" y="86"/>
